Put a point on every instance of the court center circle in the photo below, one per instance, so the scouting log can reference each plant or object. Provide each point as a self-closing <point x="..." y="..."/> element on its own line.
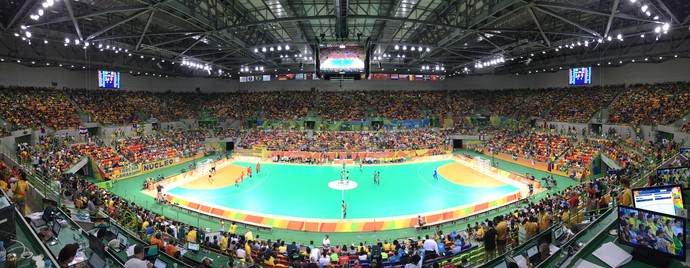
<point x="342" y="185"/>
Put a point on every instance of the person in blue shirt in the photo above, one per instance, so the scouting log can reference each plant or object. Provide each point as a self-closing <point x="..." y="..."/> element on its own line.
<point x="436" y="174"/>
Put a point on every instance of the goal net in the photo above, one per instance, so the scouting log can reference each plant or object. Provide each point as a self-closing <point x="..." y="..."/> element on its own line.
<point x="482" y="165"/>
<point x="204" y="167"/>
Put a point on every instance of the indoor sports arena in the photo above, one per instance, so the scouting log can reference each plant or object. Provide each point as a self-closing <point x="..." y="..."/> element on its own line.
<point x="344" y="133"/>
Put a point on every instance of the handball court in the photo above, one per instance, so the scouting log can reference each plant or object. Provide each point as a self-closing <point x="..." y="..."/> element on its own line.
<point x="297" y="196"/>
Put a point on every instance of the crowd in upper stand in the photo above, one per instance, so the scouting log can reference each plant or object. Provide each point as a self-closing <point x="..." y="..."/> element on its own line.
<point x="26" y="107"/>
<point x="657" y="104"/>
<point x="158" y="146"/>
<point x="578" y="105"/>
<point x="544" y="147"/>
<point x="30" y="107"/>
<point x="290" y="140"/>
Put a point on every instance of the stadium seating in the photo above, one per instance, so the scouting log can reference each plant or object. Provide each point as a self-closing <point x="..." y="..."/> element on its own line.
<point x="29" y="107"/>
<point x="656" y="104"/>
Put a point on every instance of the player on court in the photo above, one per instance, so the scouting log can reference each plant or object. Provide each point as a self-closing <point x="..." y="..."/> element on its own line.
<point x="249" y="171"/>
<point x="237" y="182"/>
<point x="258" y="168"/>
<point x="344" y="206"/>
<point x="360" y="166"/>
<point x="210" y="179"/>
<point x="347" y="178"/>
<point x="436" y="174"/>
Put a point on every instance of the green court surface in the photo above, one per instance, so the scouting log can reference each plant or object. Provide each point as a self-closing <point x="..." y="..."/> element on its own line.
<point x="130" y="189"/>
<point x="266" y="192"/>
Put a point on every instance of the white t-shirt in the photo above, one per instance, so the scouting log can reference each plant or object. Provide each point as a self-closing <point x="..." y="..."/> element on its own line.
<point x="326" y="242"/>
<point x="136" y="263"/>
<point x="315" y="254"/>
<point x="240" y="253"/>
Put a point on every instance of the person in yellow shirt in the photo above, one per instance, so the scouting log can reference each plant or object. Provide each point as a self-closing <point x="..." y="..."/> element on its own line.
<point x="191" y="236"/>
<point x="386" y="246"/>
<point x="248" y="235"/>
<point x="232" y="228"/>
<point x="3" y="185"/>
<point x="480" y="232"/>
<point x="224" y="242"/>
<point x="501" y="235"/>
<point x="19" y="189"/>
<point x="268" y="260"/>
<point x="626" y="196"/>
<point x="544" y="221"/>
<point x="248" y="248"/>
<point x="531" y="228"/>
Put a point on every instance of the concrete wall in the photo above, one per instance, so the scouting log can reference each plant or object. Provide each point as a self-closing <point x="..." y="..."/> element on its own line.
<point x="15" y="74"/>
<point x="563" y="126"/>
<point x="673" y="70"/>
<point x="632" y="73"/>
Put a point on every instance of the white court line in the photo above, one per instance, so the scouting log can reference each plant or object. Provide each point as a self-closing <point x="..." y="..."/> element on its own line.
<point x="434" y="187"/>
<point x="242" y="191"/>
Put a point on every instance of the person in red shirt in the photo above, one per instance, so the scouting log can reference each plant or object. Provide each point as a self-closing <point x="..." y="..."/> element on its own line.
<point x="343" y="259"/>
<point x="258" y="168"/>
<point x="449" y="264"/>
<point x="249" y="171"/>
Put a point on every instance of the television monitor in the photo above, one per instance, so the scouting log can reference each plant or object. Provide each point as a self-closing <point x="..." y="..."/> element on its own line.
<point x="108" y="79"/>
<point x="557" y="233"/>
<point x="673" y="176"/>
<point x="580" y="76"/>
<point x="124" y="242"/>
<point x="667" y="199"/>
<point x="341" y="58"/>
<point x="80" y="258"/>
<point x="96" y="244"/>
<point x="503" y="264"/>
<point x="533" y="254"/>
<point x="193" y="247"/>
<point x="96" y="261"/>
<point x="56" y="228"/>
<point x="653" y="232"/>
<point x="159" y="264"/>
<point x="101" y="222"/>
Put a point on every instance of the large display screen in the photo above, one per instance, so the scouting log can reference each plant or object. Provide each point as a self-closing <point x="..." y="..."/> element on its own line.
<point x="662" y="199"/>
<point x="341" y="58"/>
<point x="108" y="79"/>
<point x="668" y="176"/>
<point x="580" y="76"/>
<point x="653" y="231"/>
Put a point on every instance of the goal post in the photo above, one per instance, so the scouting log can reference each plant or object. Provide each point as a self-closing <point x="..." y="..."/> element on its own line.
<point x="482" y="165"/>
<point x="203" y="167"/>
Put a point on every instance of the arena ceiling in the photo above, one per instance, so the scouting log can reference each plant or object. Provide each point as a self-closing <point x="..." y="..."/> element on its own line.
<point x="463" y="36"/>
